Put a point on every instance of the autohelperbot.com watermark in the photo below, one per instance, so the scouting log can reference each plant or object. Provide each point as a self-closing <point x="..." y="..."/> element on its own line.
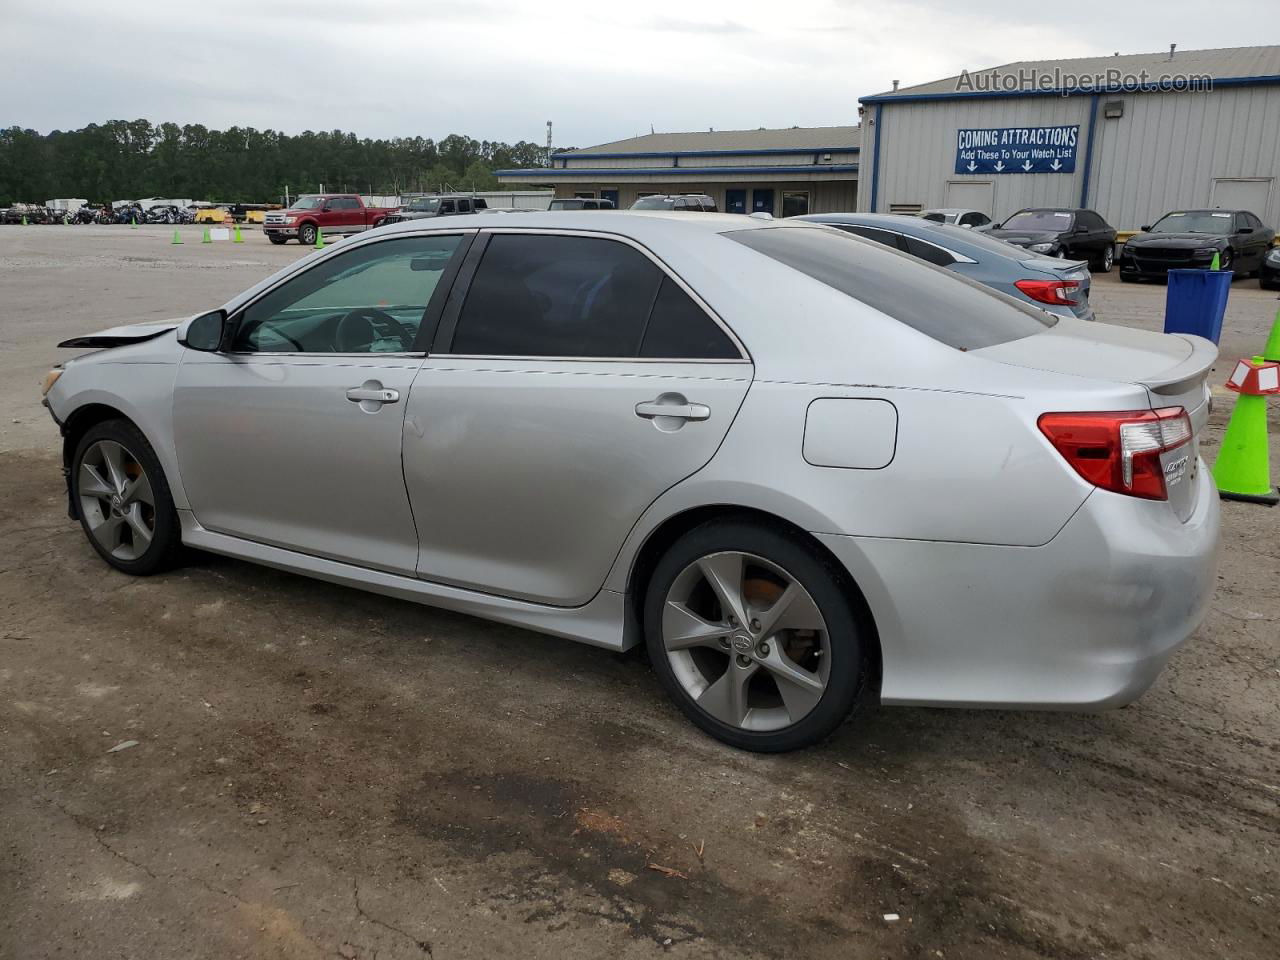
<point x="1113" y="80"/>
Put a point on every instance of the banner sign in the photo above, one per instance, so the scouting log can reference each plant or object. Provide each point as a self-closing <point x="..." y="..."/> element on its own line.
<point x="1017" y="150"/>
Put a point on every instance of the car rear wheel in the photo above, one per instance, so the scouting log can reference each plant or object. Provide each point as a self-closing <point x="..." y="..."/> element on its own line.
<point x="754" y="637"/>
<point x="307" y="234"/>
<point x="1107" y="260"/>
<point x="123" y="500"/>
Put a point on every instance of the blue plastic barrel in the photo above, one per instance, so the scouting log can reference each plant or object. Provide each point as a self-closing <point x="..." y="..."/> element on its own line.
<point x="1196" y="302"/>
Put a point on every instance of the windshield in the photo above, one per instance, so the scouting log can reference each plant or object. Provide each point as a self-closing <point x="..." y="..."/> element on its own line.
<point x="940" y="304"/>
<point x="1194" y="221"/>
<point x="307" y="203"/>
<point x="424" y="204"/>
<point x="653" y="203"/>
<point x="938" y="217"/>
<point x="1041" y="221"/>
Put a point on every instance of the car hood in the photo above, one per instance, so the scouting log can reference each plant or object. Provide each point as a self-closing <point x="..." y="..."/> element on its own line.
<point x="120" y="336"/>
<point x="1024" y="237"/>
<point x="1177" y="241"/>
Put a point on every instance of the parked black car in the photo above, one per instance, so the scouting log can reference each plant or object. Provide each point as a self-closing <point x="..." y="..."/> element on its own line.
<point x="1190" y="238"/>
<point x="1062" y="232"/>
<point x="692" y="202"/>
<point x="579" y="203"/>
<point x="1269" y="272"/>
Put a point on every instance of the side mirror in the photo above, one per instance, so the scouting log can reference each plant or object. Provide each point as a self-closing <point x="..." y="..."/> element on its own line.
<point x="1146" y="228"/>
<point x="205" y="332"/>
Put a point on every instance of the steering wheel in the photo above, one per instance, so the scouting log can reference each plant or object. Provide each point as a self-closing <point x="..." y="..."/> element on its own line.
<point x="355" y="331"/>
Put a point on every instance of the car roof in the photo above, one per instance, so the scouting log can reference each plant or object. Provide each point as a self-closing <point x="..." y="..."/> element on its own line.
<point x="628" y="223"/>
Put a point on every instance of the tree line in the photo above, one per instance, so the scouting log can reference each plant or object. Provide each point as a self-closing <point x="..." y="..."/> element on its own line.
<point x="126" y="159"/>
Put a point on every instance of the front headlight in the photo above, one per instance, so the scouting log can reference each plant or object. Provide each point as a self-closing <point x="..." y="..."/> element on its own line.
<point x="1040" y="247"/>
<point x="49" y="380"/>
<point x="1274" y="255"/>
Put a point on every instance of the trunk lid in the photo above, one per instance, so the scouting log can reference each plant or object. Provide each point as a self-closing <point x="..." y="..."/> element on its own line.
<point x="1172" y="368"/>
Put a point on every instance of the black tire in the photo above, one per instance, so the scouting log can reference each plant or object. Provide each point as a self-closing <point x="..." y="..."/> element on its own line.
<point x="1105" y="261"/>
<point x="278" y="241"/>
<point x="1226" y="258"/>
<point x="164" y="551"/>
<point x="307" y="234"/>
<point x="848" y="627"/>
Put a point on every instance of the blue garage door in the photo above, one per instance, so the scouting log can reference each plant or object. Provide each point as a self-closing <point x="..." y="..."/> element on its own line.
<point x="762" y="201"/>
<point x="735" y="201"/>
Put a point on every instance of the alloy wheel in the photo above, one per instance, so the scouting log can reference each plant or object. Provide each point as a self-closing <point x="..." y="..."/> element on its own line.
<point x="116" y="500"/>
<point x="746" y="641"/>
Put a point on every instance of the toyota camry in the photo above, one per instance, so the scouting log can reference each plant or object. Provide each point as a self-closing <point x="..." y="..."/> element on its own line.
<point x="802" y="469"/>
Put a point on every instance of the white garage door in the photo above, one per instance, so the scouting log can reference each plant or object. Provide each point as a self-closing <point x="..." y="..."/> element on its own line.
<point x="971" y="195"/>
<point x="1251" y="195"/>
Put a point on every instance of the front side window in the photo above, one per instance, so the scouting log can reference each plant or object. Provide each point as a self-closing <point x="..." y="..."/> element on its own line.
<point x="371" y="299"/>
<point x="974" y="220"/>
<point x="545" y="296"/>
<point x="940" y="304"/>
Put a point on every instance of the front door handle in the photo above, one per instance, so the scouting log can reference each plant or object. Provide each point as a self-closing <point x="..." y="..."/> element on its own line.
<point x="376" y="394"/>
<point x="673" y="406"/>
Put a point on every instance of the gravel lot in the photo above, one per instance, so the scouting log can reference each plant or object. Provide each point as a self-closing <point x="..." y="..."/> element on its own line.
<point x="322" y="772"/>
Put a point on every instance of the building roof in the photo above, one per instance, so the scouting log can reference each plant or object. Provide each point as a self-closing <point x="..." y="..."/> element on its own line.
<point x="1228" y="65"/>
<point x="797" y="139"/>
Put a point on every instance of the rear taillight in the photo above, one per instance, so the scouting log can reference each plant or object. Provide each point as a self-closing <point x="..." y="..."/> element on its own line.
<point x="1057" y="292"/>
<point x="1119" y="451"/>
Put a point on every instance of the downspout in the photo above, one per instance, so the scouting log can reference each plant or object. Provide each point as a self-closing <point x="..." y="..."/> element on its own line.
<point x="875" y="161"/>
<point x="1088" y="152"/>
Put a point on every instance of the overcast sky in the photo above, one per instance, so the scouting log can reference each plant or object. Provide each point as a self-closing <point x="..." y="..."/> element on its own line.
<point x="499" y="70"/>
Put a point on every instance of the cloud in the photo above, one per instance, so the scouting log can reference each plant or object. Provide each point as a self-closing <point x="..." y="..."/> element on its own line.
<point x="674" y="25"/>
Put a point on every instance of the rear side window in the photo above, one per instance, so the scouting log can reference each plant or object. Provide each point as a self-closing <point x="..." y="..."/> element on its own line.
<point x="938" y="303"/>
<point x="542" y="296"/>
<point x="680" y="329"/>
<point x="872" y="233"/>
<point x="928" y="252"/>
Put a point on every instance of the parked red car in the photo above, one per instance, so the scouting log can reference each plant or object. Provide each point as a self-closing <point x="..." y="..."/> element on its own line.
<point x="334" y="213"/>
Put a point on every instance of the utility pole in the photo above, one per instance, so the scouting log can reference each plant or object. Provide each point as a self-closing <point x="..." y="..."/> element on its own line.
<point x="548" y="143"/>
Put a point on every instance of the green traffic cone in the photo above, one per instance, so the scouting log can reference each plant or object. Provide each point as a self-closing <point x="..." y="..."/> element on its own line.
<point x="24" y="219"/>
<point x="319" y="239"/>
<point x="238" y="238"/>
<point x="133" y="223"/>
<point x="1243" y="468"/>
<point x="1271" y="352"/>
<point x="206" y="238"/>
<point x="1217" y="261"/>
<point x="177" y="237"/>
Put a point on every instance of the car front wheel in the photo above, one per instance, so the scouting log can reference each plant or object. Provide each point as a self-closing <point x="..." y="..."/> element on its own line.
<point x="307" y="234"/>
<point x="1106" y="261"/>
<point x="123" y="500"/>
<point x="755" y="637"/>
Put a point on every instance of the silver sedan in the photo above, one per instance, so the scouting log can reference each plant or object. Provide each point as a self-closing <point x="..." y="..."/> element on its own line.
<point x="803" y="469"/>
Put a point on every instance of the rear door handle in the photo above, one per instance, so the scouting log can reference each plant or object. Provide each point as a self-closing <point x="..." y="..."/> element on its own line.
<point x="685" y="411"/>
<point x="375" y="394"/>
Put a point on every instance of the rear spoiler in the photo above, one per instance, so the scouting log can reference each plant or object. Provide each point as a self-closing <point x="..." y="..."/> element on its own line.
<point x="1183" y="376"/>
<point x="120" y="336"/>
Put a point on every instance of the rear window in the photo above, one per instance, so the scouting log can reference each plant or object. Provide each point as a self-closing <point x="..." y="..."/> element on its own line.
<point x="939" y="303"/>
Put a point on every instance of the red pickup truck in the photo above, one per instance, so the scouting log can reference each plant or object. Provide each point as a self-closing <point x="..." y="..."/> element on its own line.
<point x="334" y="213"/>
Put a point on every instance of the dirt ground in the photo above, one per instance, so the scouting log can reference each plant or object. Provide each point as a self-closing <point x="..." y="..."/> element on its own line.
<point x="322" y="772"/>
